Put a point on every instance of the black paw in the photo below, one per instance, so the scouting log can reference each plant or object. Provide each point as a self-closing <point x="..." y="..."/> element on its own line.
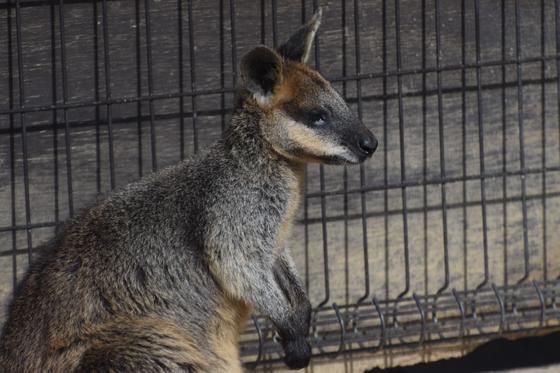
<point x="297" y="353"/>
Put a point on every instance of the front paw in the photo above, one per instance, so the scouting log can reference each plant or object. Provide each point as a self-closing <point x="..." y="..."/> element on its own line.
<point x="297" y="352"/>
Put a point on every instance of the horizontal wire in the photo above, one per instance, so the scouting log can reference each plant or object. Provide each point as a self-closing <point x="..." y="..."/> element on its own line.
<point x="218" y="112"/>
<point x="433" y="181"/>
<point x="328" y="219"/>
<point x="212" y="91"/>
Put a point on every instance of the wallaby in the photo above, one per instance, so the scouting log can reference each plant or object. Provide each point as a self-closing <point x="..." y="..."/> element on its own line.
<point x="163" y="274"/>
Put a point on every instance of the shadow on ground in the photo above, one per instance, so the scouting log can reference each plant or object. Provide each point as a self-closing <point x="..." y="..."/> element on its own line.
<point x="497" y="355"/>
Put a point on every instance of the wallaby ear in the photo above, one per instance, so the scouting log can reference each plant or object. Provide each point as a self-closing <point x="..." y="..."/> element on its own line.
<point x="261" y="71"/>
<point x="298" y="47"/>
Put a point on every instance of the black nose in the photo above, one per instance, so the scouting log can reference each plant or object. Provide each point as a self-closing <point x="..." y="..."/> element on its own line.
<point x="368" y="145"/>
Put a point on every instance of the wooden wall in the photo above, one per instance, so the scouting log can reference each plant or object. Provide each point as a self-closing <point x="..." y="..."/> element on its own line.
<point x="206" y="67"/>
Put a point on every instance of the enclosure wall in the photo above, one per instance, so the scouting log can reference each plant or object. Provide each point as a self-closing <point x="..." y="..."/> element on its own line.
<point x="463" y="193"/>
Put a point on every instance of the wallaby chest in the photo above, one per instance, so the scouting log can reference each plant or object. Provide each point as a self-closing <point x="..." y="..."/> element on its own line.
<point x="293" y="178"/>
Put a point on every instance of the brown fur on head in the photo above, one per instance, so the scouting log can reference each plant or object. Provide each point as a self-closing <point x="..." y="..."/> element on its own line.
<point x="306" y="119"/>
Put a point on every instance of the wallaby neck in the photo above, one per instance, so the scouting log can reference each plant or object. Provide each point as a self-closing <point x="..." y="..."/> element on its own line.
<point x="245" y="141"/>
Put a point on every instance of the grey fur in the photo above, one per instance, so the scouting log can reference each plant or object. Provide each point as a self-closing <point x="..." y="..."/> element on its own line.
<point x="162" y="274"/>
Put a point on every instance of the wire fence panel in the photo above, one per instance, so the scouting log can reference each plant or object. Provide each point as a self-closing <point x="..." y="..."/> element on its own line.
<point x="448" y="234"/>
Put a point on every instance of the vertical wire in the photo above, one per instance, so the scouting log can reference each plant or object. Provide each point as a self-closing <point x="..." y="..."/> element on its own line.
<point x="54" y="117"/>
<point x="306" y="200"/>
<point x="324" y="238"/>
<point x="402" y="152"/>
<point x="521" y="126"/>
<point x="441" y="151"/>
<point x="385" y="149"/>
<point x="557" y="37"/>
<point x="481" y="146"/>
<point x="97" y="98"/>
<point x="107" y="70"/>
<point x="274" y="24"/>
<point x="12" y="146"/>
<point x="345" y="170"/>
<point x="263" y="22"/>
<point x="464" y="142"/>
<point x="149" y="63"/>
<point x="424" y="149"/>
<point x="323" y="197"/>
<point x="306" y="192"/>
<point x="67" y="133"/>
<point x="233" y="42"/>
<point x="504" y="149"/>
<point x="306" y="230"/>
<point x="543" y="141"/>
<point x="180" y="65"/>
<point x="24" y="144"/>
<point x="139" y="89"/>
<point x="362" y="167"/>
<point x="192" y="61"/>
<point x="222" y="70"/>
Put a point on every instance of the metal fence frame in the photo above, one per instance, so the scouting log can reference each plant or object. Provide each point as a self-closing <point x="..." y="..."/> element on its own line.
<point x="369" y="324"/>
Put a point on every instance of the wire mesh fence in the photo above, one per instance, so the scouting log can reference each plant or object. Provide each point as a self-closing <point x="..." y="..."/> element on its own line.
<point x="448" y="234"/>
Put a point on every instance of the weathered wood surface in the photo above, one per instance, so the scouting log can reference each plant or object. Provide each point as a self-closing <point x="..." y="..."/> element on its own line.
<point x="380" y="109"/>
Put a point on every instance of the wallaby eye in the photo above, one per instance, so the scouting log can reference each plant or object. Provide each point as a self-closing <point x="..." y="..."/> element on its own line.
<point x="318" y="117"/>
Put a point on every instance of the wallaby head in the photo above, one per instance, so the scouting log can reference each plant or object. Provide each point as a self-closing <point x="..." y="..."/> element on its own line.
<point x="306" y="118"/>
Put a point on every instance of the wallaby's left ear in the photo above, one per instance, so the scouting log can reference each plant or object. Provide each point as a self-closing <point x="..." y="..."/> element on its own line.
<point x="261" y="72"/>
<point x="298" y="47"/>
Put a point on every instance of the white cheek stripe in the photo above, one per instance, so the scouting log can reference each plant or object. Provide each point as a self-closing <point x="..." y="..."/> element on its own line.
<point x="315" y="145"/>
